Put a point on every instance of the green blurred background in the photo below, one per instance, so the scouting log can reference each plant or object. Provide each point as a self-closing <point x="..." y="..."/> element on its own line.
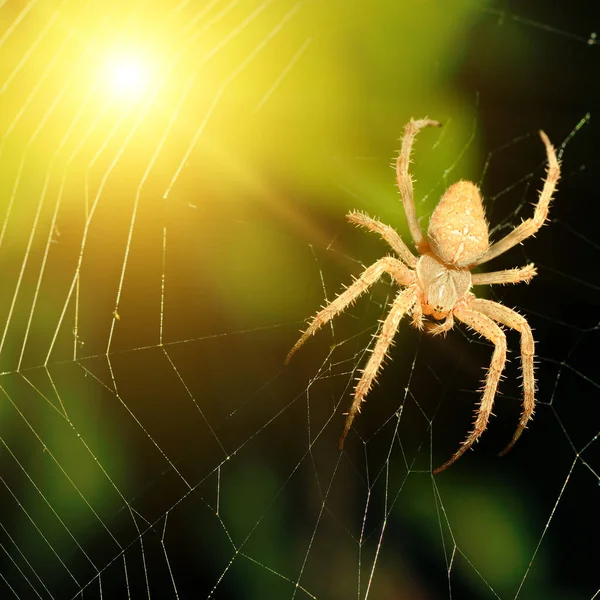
<point x="173" y="184"/>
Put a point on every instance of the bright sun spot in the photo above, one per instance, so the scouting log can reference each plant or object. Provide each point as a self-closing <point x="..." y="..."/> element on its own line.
<point x="128" y="76"/>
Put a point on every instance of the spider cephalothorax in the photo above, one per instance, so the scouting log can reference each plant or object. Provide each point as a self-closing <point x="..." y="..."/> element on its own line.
<point x="438" y="283"/>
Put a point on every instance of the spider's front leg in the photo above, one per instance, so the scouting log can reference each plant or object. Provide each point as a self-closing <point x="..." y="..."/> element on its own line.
<point x="418" y="322"/>
<point x="402" y="304"/>
<point x="399" y="271"/>
<point x="514" y="320"/>
<point x="488" y="329"/>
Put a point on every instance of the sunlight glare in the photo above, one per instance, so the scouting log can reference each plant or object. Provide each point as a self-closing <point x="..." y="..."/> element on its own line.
<point x="129" y="76"/>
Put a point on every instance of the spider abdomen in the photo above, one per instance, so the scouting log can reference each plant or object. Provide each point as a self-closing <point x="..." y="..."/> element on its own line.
<point x="458" y="232"/>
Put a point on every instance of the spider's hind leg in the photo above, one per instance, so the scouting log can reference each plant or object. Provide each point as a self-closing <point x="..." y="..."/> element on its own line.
<point x="530" y="226"/>
<point x="389" y="234"/>
<point x="405" y="181"/>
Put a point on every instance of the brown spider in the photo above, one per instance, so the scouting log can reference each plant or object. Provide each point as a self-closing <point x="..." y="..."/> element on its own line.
<point x="438" y="283"/>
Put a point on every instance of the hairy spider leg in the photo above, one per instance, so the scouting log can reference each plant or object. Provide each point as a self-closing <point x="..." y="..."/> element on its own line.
<point x="514" y="320"/>
<point x="405" y="181"/>
<point x="530" y="226"/>
<point x="398" y="270"/>
<point x="402" y="304"/>
<point x="523" y="274"/>
<point x="488" y="329"/>
<point x="389" y="234"/>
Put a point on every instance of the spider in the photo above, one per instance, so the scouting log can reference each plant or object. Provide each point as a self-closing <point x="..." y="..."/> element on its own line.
<point x="436" y="287"/>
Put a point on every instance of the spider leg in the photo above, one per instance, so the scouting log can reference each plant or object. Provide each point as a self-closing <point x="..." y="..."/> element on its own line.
<point x="398" y="270"/>
<point x="525" y="274"/>
<point x="530" y="226"/>
<point x="401" y="305"/>
<point x="405" y="181"/>
<point x="488" y="329"/>
<point x="514" y="320"/>
<point x="389" y="234"/>
<point x="417" y="316"/>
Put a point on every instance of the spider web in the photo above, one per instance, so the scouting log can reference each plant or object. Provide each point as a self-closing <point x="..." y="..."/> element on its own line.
<point x="173" y="180"/>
